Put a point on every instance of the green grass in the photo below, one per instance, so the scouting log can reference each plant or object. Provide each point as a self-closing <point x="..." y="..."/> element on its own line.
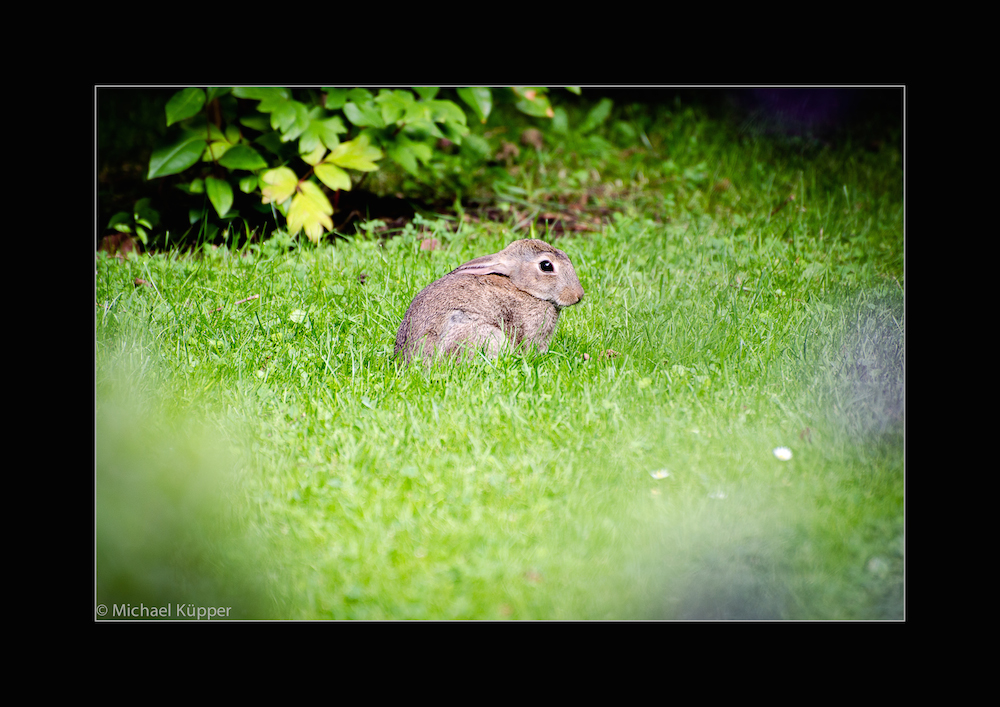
<point x="270" y="456"/>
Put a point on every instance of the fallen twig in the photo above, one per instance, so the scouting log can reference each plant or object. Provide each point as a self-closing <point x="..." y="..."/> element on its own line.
<point x="235" y="303"/>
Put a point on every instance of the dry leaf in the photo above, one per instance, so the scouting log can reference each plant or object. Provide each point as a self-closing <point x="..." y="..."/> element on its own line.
<point x="508" y="151"/>
<point x="532" y="137"/>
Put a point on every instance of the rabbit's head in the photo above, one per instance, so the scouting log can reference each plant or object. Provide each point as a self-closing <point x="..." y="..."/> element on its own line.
<point x="533" y="266"/>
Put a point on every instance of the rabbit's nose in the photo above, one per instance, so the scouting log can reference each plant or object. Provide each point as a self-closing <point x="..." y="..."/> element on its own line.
<point x="570" y="296"/>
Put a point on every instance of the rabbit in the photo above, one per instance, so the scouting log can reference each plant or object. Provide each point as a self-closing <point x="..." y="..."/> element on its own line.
<point x="507" y="299"/>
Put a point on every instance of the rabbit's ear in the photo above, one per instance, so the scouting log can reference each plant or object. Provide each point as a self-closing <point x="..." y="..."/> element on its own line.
<point x="495" y="263"/>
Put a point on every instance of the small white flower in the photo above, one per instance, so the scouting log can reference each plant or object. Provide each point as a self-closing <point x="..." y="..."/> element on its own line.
<point x="783" y="453"/>
<point x="659" y="474"/>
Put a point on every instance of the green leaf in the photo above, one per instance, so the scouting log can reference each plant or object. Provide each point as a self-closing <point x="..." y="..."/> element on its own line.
<point x="364" y="115"/>
<point x="184" y="104"/>
<point x="232" y="134"/>
<point x="281" y="184"/>
<point x="291" y="118"/>
<point x="455" y="131"/>
<point x="255" y="93"/>
<point x="256" y="122"/>
<point x="248" y="183"/>
<point x="422" y="129"/>
<point x="333" y="176"/>
<point x="360" y="95"/>
<point x="417" y="112"/>
<point x="479" y="99"/>
<point x="533" y="101"/>
<point x="144" y="211"/>
<point x="442" y="111"/>
<point x="216" y="150"/>
<point x="313" y="158"/>
<point x="216" y="134"/>
<point x="177" y="157"/>
<point x="310" y="211"/>
<point x="269" y="98"/>
<point x="331" y="127"/>
<point x="598" y="114"/>
<point x="220" y="194"/>
<point x="476" y="146"/>
<point x="393" y="104"/>
<point x="402" y="153"/>
<point x="422" y="150"/>
<point x="122" y="222"/>
<point x="321" y="131"/>
<point x="356" y="154"/>
<point x="335" y="97"/>
<point x="537" y="108"/>
<point x="573" y="89"/>
<point x="426" y="92"/>
<point x="242" y="157"/>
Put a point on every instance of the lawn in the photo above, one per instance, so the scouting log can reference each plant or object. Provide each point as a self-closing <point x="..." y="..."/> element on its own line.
<point x="259" y="449"/>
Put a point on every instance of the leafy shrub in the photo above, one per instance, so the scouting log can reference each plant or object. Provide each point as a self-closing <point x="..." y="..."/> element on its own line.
<point x="140" y="222"/>
<point x="292" y="148"/>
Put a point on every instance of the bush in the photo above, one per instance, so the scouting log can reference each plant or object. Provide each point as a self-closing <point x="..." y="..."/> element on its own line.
<point x="293" y="148"/>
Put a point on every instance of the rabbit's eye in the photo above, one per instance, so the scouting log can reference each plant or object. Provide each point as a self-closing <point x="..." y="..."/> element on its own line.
<point x="546" y="266"/>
